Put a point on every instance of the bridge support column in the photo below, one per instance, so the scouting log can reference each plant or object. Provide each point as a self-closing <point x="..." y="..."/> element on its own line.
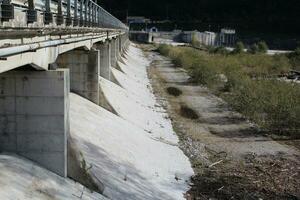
<point x="113" y="53"/>
<point x="121" y="45"/>
<point x="84" y="72"/>
<point x="105" y="59"/>
<point x="118" y="52"/>
<point x="34" y="116"/>
<point x="125" y="42"/>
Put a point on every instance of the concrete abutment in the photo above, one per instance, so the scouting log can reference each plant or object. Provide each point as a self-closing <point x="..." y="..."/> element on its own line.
<point x="34" y="115"/>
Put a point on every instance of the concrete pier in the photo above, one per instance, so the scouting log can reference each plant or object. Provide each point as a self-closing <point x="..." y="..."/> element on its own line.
<point x="118" y="52"/>
<point x="84" y="72"/>
<point x="113" y="52"/>
<point x="34" y="116"/>
<point x="105" y="62"/>
<point x="120" y="45"/>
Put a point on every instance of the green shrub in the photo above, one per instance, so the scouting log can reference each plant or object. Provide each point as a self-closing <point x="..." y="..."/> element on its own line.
<point x="218" y="50"/>
<point x="239" y="48"/>
<point x="235" y="78"/>
<point x="203" y="72"/>
<point x="273" y="105"/>
<point x="164" y="49"/>
<point x="294" y="58"/>
<point x="253" y="49"/>
<point x="262" y="47"/>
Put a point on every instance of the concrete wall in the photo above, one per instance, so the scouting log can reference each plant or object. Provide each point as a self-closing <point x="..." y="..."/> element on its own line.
<point x="140" y="36"/>
<point x="84" y="72"/>
<point x="118" y="52"/>
<point x="113" y="52"/>
<point x="160" y="36"/>
<point x="34" y="116"/>
<point x="105" y="64"/>
<point x="209" y="38"/>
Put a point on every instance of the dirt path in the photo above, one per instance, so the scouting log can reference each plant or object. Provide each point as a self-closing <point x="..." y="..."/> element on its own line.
<point x="230" y="159"/>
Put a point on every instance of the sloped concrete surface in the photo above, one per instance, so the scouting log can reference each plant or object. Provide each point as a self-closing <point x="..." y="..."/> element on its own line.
<point x="21" y="179"/>
<point x="128" y="162"/>
<point x="134" y="153"/>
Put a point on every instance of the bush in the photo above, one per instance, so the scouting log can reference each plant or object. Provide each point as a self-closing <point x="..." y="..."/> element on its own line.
<point x="294" y="58"/>
<point x="297" y="51"/>
<point x="218" y="50"/>
<point x="203" y="72"/>
<point x="253" y="49"/>
<point x="273" y="105"/>
<point x="164" y="49"/>
<point x="235" y="78"/>
<point x="262" y="47"/>
<point x="239" y="48"/>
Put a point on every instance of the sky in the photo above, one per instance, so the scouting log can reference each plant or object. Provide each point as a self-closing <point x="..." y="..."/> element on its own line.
<point x="283" y="15"/>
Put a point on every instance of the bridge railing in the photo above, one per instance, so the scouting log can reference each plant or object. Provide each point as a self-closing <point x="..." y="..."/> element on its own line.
<point x="68" y="13"/>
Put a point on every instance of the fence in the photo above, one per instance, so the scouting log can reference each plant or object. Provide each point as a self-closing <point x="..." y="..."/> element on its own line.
<point x="81" y="13"/>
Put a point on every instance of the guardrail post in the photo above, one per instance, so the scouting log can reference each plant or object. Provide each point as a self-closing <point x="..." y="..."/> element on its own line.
<point x="86" y="13"/>
<point x="0" y="9"/>
<point x="75" y="19"/>
<point x="92" y="14"/>
<point x="59" y="17"/>
<point x="90" y="11"/>
<point x="69" y="18"/>
<point x="98" y="16"/>
<point x="48" y="17"/>
<point x="81" y="22"/>
<point x="7" y="10"/>
<point x="95" y="15"/>
<point x="31" y="12"/>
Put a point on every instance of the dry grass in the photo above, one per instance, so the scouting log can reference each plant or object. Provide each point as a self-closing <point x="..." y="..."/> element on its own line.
<point x="248" y="82"/>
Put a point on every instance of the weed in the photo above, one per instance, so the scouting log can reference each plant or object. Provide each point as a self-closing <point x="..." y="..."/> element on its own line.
<point x="248" y="83"/>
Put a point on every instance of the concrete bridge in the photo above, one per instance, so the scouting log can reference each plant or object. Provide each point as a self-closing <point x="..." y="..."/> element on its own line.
<point x="47" y="49"/>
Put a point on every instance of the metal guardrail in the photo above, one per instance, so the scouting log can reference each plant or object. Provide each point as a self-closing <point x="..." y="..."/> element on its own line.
<point x="76" y="13"/>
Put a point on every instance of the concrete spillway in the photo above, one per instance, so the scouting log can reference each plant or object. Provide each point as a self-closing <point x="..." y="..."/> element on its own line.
<point x="134" y="153"/>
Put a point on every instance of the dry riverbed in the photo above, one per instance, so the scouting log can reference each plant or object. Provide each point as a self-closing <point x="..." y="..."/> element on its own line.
<point x="231" y="159"/>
